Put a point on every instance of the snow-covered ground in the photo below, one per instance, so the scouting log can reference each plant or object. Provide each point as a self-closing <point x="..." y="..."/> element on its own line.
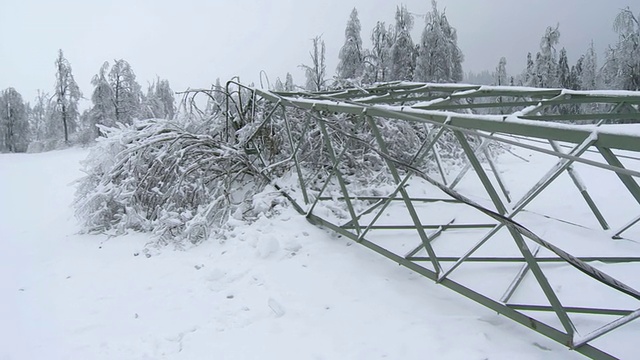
<point x="277" y="289"/>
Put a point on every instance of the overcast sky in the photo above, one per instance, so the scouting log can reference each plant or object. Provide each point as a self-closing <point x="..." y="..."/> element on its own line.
<point x="192" y="42"/>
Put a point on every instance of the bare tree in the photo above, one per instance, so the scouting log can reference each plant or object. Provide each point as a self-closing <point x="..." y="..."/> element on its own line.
<point x="622" y="65"/>
<point x="500" y="77"/>
<point x="126" y="91"/>
<point x="14" y="125"/>
<point x="67" y="93"/>
<point x="316" y="72"/>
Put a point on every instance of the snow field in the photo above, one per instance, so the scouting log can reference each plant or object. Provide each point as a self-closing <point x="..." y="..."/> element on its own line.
<point x="276" y="289"/>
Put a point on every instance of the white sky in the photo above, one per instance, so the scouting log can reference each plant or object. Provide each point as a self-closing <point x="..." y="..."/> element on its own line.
<point x="192" y="42"/>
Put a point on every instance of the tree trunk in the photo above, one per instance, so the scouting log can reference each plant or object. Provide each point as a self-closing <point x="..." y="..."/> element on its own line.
<point x="64" y="123"/>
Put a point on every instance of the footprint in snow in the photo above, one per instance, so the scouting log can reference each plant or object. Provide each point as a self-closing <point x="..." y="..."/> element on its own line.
<point x="276" y="307"/>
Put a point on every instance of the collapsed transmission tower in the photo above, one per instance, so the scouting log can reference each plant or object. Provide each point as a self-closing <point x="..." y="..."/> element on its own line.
<point x="574" y="292"/>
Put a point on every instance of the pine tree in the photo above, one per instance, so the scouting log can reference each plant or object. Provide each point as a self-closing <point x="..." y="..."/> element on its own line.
<point x="150" y="106"/>
<point x="219" y="94"/>
<point x="564" y="73"/>
<point x="126" y="92"/>
<point x="351" y="63"/>
<point x="67" y="93"/>
<point x="166" y="97"/>
<point x="530" y="78"/>
<point x="622" y="67"/>
<point x="589" y="69"/>
<point x="40" y="116"/>
<point x="377" y="60"/>
<point x="278" y="86"/>
<point x="14" y="124"/>
<point x="103" y="111"/>
<point x="547" y="61"/>
<point x="288" y="83"/>
<point x="484" y="77"/>
<point x="576" y="74"/>
<point x="610" y="72"/>
<point x="315" y="72"/>
<point x="500" y="77"/>
<point x="216" y="102"/>
<point x="402" y="61"/>
<point x="439" y="58"/>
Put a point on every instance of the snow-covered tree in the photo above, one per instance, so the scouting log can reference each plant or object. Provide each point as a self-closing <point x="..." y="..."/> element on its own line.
<point x="126" y="91"/>
<point x="288" y="83"/>
<point x="611" y="69"/>
<point x="377" y="60"/>
<point x="439" y="57"/>
<point x="217" y="101"/>
<point x="279" y="85"/>
<point x="150" y="106"/>
<point x="622" y="65"/>
<point x="547" y="61"/>
<point x="576" y="74"/>
<point x="167" y="99"/>
<point x="40" y="116"/>
<point x="315" y="73"/>
<point x="589" y="69"/>
<point x="402" y="58"/>
<point x="66" y="95"/>
<point x="564" y="72"/>
<point x="103" y="111"/>
<point x="219" y="94"/>
<point x="500" y="76"/>
<point x="529" y="77"/>
<point x="159" y="102"/>
<point x="482" y="78"/>
<point x="351" y="63"/>
<point x="14" y="124"/>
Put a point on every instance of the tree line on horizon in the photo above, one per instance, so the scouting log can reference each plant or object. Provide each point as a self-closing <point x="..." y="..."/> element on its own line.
<point x="54" y="119"/>
<point x="437" y="58"/>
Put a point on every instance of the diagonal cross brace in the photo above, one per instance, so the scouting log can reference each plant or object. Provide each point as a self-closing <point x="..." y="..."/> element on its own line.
<point x="519" y="240"/>
<point x="412" y="211"/>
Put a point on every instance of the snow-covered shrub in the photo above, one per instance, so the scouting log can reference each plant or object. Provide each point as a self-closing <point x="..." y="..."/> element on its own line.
<point x="184" y="179"/>
<point x="35" y="147"/>
<point x="156" y="176"/>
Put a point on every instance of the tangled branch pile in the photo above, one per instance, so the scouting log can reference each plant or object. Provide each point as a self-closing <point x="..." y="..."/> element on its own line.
<point x="184" y="179"/>
<point x="157" y="176"/>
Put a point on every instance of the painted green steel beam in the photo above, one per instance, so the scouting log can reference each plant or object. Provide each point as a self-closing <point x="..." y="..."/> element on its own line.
<point x="375" y="198"/>
<point x="628" y="181"/>
<point x="517" y="237"/>
<point x="532" y="323"/>
<point x="338" y="174"/>
<point x="625" y="227"/>
<point x="294" y="155"/>
<point x="583" y="117"/>
<point x="572" y="309"/>
<point x="554" y="173"/>
<point x="487" y="123"/>
<point x="432" y="236"/>
<point x="517" y="280"/>
<point x="606" y="328"/>
<point x="475" y="105"/>
<point x="423" y="226"/>
<point x="412" y="211"/>
<point x="583" y="189"/>
<point x="458" y="90"/>
<point x="519" y="259"/>
<point x="425" y="148"/>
